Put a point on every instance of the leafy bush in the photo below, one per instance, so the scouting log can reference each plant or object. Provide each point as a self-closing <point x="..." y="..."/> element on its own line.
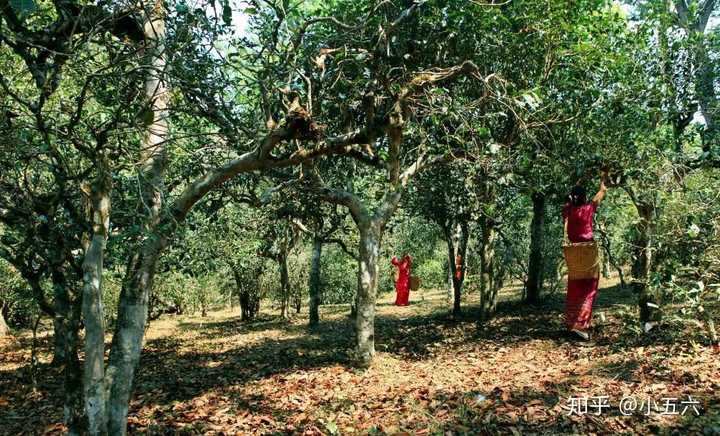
<point x="18" y="307"/>
<point x="338" y="276"/>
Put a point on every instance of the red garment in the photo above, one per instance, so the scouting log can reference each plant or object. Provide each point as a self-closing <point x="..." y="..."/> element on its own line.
<point x="402" y="284"/>
<point x="581" y="296"/>
<point x="580" y="221"/>
<point x="458" y="267"/>
<point x="581" y="293"/>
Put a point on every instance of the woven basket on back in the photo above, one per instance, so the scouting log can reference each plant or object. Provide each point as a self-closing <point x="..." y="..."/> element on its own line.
<point x="414" y="283"/>
<point x="583" y="260"/>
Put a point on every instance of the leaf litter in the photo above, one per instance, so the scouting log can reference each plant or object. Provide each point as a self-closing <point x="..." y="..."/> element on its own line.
<point x="513" y="374"/>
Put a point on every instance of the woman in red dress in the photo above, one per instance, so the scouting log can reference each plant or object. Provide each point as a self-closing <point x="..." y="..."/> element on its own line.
<point x="402" y="283"/>
<point x="458" y="267"/>
<point x="581" y="293"/>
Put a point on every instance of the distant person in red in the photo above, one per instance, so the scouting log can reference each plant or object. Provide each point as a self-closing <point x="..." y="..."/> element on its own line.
<point x="458" y="267"/>
<point x="402" y="283"/>
<point x="581" y="293"/>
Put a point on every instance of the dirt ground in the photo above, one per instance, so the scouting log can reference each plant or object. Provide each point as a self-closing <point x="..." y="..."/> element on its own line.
<point x="517" y="373"/>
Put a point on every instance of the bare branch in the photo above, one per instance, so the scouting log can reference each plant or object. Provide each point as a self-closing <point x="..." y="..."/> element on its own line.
<point x="342" y="246"/>
<point x="343" y="198"/>
<point x="422" y="163"/>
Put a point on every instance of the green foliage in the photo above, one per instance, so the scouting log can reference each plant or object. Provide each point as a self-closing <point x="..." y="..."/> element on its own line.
<point x="338" y="275"/>
<point x="16" y="303"/>
<point x="688" y="236"/>
<point x="432" y="269"/>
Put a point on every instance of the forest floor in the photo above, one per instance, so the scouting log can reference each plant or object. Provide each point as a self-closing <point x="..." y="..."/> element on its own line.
<point x="517" y="373"/>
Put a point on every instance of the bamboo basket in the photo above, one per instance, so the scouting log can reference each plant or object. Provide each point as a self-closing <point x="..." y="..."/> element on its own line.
<point x="414" y="283"/>
<point x="582" y="259"/>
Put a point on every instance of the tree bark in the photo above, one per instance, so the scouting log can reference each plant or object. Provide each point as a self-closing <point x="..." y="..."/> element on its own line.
<point x="370" y="239"/>
<point x="62" y="312"/>
<point x="59" y="340"/>
<point x="450" y="286"/>
<point x="642" y="264"/>
<point x="242" y="300"/>
<point x="451" y="265"/>
<point x="705" y="91"/>
<point x="66" y="325"/>
<point x="353" y="308"/>
<point x="284" y="286"/>
<point x="457" y="238"/>
<point x="73" y="409"/>
<point x="247" y="296"/>
<point x="314" y="282"/>
<point x="4" y="329"/>
<point x="129" y="332"/>
<point x="92" y="307"/>
<point x="488" y="288"/>
<point x="536" y="264"/>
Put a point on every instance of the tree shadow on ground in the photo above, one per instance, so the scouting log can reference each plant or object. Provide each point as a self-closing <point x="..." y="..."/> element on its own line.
<point x="175" y="375"/>
<point x="168" y="375"/>
<point x="414" y="337"/>
<point x="233" y="326"/>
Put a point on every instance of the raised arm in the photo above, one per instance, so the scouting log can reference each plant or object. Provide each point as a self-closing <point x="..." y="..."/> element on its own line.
<point x="394" y="261"/>
<point x="603" y="189"/>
